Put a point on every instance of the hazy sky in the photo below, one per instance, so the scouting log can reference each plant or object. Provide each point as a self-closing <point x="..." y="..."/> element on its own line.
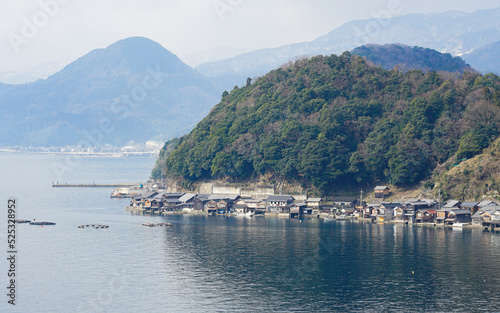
<point x="34" y="32"/>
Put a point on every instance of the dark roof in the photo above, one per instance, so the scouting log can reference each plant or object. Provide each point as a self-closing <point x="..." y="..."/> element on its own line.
<point x="202" y="197"/>
<point x="187" y="197"/>
<point x="391" y="205"/>
<point x="486" y="203"/>
<point x="224" y="197"/>
<point x="280" y="198"/>
<point x="313" y="200"/>
<point x="150" y="194"/>
<point x="469" y="204"/>
<point x="419" y="203"/>
<point x="173" y="200"/>
<point x="452" y="203"/>
<point x="461" y="211"/>
<point x="173" y="195"/>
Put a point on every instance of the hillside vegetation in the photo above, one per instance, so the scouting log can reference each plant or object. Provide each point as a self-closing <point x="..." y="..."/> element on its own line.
<point x="336" y="123"/>
<point x="411" y="58"/>
<point x="474" y="179"/>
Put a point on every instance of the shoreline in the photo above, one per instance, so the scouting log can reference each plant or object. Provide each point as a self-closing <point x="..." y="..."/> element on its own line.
<point x="310" y="216"/>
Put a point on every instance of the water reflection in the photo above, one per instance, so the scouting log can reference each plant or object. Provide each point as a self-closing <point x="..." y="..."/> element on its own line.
<point x="279" y="264"/>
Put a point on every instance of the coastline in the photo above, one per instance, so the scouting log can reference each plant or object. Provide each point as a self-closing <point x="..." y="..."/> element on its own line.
<point x="329" y="217"/>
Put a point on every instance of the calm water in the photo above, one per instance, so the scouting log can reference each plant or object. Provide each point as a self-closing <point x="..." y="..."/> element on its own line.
<point x="217" y="264"/>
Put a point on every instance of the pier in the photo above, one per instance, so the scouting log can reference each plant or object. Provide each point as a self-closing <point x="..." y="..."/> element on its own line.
<point x="57" y="185"/>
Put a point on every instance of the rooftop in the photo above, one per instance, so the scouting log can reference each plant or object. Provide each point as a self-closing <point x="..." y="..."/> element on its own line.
<point x="280" y="198"/>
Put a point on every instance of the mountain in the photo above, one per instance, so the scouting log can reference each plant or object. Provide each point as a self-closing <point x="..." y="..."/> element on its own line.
<point x="450" y="32"/>
<point x="485" y="59"/>
<point x="410" y="58"/>
<point x="133" y="90"/>
<point x="33" y="74"/>
<point x="336" y="123"/>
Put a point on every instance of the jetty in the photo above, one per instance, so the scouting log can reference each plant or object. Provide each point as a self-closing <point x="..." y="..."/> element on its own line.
<point x="93" y="185"/>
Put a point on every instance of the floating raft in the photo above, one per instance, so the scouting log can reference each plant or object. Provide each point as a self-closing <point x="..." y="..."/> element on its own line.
<point x="23" y="221"/>
<point x="42" y="223"/>
<point x="156" y="224"/>
<point x="93" y="226"/>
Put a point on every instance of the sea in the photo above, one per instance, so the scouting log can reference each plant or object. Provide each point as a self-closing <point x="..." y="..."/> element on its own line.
<point x="220" y="264"/>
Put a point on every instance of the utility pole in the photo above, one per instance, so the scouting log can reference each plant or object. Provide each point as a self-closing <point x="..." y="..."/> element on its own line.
<point x="439" y="200"/>
<point x="361" y="204"/>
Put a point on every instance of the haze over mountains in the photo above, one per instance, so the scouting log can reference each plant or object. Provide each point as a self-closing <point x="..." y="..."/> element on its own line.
<point x="133" y="90"/>
<point x="137" y="90"/>
<point x="452" y="32"/>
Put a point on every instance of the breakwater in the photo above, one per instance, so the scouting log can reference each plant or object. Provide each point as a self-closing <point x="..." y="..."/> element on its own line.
<point x="58" y="185"/>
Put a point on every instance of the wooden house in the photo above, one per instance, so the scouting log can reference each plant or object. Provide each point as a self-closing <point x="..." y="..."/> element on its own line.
<point x="458" y="216"/>
<point x="222" y="207"/>
<point x="298" y="209"/>
<point x="171" y="205"/>
<point x="256" y="206"/>
<point x="224" y="202"/>
<point x="344" y="201"/>
<point x="425" y="216"/>
<point x="484" y="215"/>
<point x="382" y="192"/>
<point x="368" y="208"/>
<point x="378" y="214"/>
<point x="495" y="220"/>
<point x="200" y="201"/>
<point x="471" y="206"/>
<point x="240" y="208"/>
<point x="399" y="214"/>
<point x="442" y="215"/>
<point x="314" y="204"/>
<point x="279" y="204"/>
<point x="211" y="207"/>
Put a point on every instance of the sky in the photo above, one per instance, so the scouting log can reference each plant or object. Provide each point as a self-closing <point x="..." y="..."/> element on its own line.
<point x="37" y="32"/>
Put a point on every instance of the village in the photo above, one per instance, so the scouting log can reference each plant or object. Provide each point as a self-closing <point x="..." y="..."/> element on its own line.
<point x="453" y="213"/>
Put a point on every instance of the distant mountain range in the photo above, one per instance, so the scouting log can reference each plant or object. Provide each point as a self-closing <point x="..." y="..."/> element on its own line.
<point x="407" y="58"/>
<point x="133" y="90"/>
<point x="485" y="58"/>
<point x="452" y="32"/>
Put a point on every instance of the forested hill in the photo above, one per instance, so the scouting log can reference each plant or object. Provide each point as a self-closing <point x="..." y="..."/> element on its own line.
<point x="410" y="58"/>
<point x="334" y="123"/>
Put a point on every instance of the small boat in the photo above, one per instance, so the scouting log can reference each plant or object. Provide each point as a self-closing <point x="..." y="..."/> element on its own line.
<point x="327" y="219"/>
